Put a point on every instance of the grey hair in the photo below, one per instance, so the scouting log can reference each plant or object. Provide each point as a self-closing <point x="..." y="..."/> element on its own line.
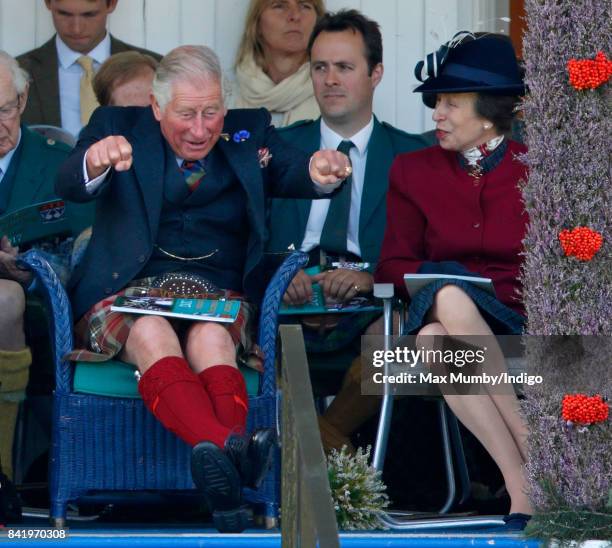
<point x="183" y="63"/>
<point x="19" y="77"/>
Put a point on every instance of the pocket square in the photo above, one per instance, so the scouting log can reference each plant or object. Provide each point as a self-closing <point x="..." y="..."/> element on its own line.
<point x="264" y="157"/>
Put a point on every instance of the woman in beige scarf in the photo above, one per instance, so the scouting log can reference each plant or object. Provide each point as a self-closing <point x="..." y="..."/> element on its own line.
<point x="272" y="68"/>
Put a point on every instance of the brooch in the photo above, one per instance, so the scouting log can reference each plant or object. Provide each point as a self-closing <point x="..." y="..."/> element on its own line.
<point x="264" y="157"/>
<point x="241" y="136"/>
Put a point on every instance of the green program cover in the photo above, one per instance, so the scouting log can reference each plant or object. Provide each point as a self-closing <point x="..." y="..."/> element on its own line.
<point x="35" y="222"/>
<point x="216" y="310"/>
<point x="317" y="305"/>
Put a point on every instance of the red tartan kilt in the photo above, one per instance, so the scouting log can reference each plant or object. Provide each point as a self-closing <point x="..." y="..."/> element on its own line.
<point x="101" y="333"/>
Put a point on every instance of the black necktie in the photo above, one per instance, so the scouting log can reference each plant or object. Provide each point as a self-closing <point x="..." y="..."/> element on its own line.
<point x="335" y="229"/>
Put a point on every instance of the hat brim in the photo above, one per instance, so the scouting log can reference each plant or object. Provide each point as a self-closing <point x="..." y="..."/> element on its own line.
<point x="452" y="84"/>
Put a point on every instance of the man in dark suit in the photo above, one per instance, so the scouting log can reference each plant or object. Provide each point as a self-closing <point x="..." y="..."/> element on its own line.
<point x="55" y="67"/>
<point x="28" y="164"/>
<point x="346" y="67"/>
<point x="181" y="189"/>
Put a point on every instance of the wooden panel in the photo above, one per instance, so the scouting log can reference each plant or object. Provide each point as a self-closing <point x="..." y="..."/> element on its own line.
<point x="385" y="14"/>
<point x="517" y="25"/>
<point x="162" y="25"/>
<point x="197" y="22"/>
<point x="410" y="29"/>
<point x="44" y="23"/>
<point x="17" y="26"/>
<point x="408" y="44"/>
<point x="127" y="23"/>
<point x="229" y="24"/>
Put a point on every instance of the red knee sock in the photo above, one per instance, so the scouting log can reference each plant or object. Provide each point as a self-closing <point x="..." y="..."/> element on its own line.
<point x="227" y="390"/>
<point x="173" y="393"/>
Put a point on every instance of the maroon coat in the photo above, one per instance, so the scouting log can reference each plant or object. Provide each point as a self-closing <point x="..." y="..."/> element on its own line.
<point x="437" y="212"/>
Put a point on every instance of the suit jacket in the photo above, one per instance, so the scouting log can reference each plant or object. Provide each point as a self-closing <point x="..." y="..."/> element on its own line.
<point x="31" y="174"/>
<point x="288" y="218"/>
<point x="129" y="203"/>
<point x="42" y="64"/>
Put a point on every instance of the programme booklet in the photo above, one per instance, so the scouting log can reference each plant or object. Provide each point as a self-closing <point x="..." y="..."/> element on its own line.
<point x="318" y="305"/>
<point x="416" y="282"/>
<point x="35" y="222"/>
<point x="214" y="310"/>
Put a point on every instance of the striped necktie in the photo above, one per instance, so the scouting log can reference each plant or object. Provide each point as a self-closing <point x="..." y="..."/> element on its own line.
<point x="335" y="229"/>
<point x="194" y="173"/>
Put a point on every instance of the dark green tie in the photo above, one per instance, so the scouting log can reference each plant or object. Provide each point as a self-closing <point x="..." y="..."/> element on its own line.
<point x="335" y="229"/>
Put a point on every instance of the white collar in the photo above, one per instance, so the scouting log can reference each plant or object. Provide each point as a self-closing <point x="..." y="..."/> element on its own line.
<point x="5" y="161"/>
<point x="475" y="154"/>
<point x="67" y="57"/>
<point x="330" y="139"/>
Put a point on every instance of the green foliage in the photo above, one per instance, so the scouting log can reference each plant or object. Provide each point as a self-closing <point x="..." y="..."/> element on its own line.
<point x="358" y="492"/>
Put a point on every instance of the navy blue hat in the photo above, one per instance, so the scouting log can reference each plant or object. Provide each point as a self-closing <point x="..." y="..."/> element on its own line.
<point x="468" y="64"/>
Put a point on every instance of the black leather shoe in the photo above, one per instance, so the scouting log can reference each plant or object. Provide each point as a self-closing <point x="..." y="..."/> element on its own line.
<point x="10" y="505"/>
<point x="252" y="456"/>
<point x="516" y="521"/>
<point x="217" y="478"/>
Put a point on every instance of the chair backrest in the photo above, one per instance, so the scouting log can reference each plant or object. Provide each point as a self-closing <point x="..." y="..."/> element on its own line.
<point x="55" y="133"/>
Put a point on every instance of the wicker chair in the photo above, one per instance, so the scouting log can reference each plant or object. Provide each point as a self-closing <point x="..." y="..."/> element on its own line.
<point x="115" y="444"/>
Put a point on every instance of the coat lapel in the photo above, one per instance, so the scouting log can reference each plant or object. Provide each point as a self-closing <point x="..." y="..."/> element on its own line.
<point x="376" y="178"/>
<point x="248" y="172"/>
<point x="148" y="154"/>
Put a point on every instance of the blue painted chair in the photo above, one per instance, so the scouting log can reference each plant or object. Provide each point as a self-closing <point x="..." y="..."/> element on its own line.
<point x="102" y="443"/>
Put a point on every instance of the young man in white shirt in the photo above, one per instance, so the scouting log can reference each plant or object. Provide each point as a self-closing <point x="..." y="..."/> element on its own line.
<point x="57" y="68"/>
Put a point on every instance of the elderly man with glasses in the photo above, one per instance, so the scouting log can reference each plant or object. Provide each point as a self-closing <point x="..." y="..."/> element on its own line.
<point x="28" y="164"/>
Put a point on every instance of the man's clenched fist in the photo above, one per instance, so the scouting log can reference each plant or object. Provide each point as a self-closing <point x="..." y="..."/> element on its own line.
<point x="112" y="151"/>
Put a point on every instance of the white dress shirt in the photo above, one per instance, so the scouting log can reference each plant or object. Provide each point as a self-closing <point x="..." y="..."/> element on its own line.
<point x="69" y="74"/>
<point x="5" y="161"/>
<point x="318" y="209"/>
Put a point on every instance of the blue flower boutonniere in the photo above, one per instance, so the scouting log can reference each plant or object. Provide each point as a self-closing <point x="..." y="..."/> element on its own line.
<point x="241" y="136"/>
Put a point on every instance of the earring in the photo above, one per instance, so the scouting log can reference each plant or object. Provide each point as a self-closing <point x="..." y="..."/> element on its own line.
<point x="487" y="126"/>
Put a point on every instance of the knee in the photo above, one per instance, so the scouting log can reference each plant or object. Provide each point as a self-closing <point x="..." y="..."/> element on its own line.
<point x="427" y="332"/>
<point x="453" y="304"/>
<point x="208" y="338"/>
<point x="12" y="303"/>
<point x="149" y="329"/>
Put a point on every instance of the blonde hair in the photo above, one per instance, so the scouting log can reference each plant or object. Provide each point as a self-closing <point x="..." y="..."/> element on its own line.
<point x="251" y="40"/>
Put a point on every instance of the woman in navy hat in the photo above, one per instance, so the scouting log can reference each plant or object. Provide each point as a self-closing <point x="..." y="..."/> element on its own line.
<point x="456" y="208"/>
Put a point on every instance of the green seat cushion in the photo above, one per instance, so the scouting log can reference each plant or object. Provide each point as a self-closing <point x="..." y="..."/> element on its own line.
<point x="116" y="379"/>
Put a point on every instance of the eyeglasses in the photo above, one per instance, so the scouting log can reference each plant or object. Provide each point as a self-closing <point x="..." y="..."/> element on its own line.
<point x="8" y="111"/>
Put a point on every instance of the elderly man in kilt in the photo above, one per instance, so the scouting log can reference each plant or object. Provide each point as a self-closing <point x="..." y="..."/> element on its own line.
<point x="181" y="188"/>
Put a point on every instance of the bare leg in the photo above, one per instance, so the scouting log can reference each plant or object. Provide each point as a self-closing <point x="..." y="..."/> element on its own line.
<point x="151" y="339"/>
<point x="209" y="344"/>
<point x="495" y="421"/>
<point x="460" y="316"/>
<point x="12" y="308"/>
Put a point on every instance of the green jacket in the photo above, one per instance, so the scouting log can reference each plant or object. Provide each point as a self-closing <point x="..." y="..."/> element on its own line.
<point x="288" y="218"/>
<point x="31" y="176"/>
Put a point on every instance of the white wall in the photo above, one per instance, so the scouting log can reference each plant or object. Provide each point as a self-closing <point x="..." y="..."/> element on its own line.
<point x="410" y="29"/>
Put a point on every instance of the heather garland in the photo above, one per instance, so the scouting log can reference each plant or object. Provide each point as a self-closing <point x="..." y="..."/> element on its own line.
<point x="567" y="273"/>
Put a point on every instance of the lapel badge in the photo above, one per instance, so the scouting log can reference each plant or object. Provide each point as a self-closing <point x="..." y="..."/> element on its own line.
<point x="264" y="157"/>
<point x="241" y="136"/>
<point x="224" y="136"/>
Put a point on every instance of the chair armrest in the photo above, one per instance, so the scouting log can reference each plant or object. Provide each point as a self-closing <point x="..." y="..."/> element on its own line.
<point x="268" y="318"/>
<point x="55" y="298"/>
